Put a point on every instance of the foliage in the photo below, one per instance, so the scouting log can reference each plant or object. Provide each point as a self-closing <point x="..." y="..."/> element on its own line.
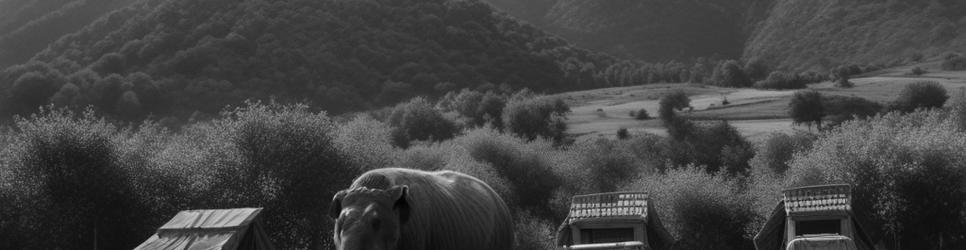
<point x="807" y="107"/>
<point x="284" y="159"/>
<point x="418" y="120"/>
<point x="954" y="61"/>
<point x="68" y="181"/>
<point x="906" y="173"/>
<point x="917" y="71"/>
<point x="366" y="141"/>
<point x="478" y="108"/>
<point x="923" y="94"/>
<point x="623" y="134"/>
<point x="839" y="109"/>
<point x="609" y="164"/>
<point x="701" y="210"/>
<point x="730" y="74"/>
<point x="528" y="172"/>
<point x="640" y="114"/>
<point x="339" y="55"/>
<point x="756" y="69"/>
<point x="774" y="153"/>
<point x="782" y="80"/>
<point x="532" y="233"/>
<point x="532" y="116"/>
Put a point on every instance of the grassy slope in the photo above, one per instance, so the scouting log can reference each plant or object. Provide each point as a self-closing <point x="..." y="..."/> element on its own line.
<point x="754" y="112"/>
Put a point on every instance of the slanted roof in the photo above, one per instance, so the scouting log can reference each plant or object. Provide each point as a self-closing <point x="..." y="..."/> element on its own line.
<point x="806" y="201"/>
<point x="609" y="207"/>
<point x="628" y="205"/>
<point x="226" y="229"/>
<point x="823" y="199"/>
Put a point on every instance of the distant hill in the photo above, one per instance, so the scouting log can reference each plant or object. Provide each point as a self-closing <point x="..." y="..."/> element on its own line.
<point x="791" y="34"/>
<point x="824" y="33"/>
<point x="28" y="26"/>
<point x="175" y="57"/>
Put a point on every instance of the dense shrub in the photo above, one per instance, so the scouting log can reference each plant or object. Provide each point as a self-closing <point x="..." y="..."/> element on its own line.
<point x="756" y="70"/>
<point x="671" y="102"/>
<point x="917" y="71"/>
<point x="418" y="120"/>
<point x="954" y="61"/>
<point x="366" y="141"/>
<point x="730" y="74"/>
<point x="807" y="107"/>
<point x="906" y="171"/>
<point x="774" y="153"/>
<point x="640" y="114"/>
<point x="623" y="134"/>
<point x="477" y="108"/>
<point x="609" y="164"/>
<point x="781" y="80"/>
<point x="528" y="171"/>
<point x="924" y="94"/>
<point x="702" y="211"/>
<point x="284" y="159"/>
<point x="839" y="109"/>
<point x="531" y="116"/>
<point x="844" y="72"/>
<point x="532" y="233"/>
<point x="68" y="181"/>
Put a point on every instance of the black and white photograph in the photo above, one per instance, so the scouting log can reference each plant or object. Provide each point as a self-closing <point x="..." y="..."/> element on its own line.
<point x="483" y="124"/>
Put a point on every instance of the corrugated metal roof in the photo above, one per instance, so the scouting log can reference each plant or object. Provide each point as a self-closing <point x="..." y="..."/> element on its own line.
<point x="818" y="199"/>
<point x="210" y="229"/>
<point x="616" y="204"/>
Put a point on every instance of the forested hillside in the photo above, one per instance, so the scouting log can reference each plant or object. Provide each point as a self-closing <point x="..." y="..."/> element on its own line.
<point x="28" y="26"/>
<point x="825" y="33"/>
<point x="790" y="34"/>
<point x="174" y="57"/>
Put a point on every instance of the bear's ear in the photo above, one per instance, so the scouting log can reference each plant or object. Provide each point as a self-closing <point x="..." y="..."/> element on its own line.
<point x="401" y="206"/>
<point x="336" y="206"/>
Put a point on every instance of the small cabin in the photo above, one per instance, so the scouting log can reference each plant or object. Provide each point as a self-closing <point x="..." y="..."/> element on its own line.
<point x="619" y="220"/>
<point x="811" y="216"/>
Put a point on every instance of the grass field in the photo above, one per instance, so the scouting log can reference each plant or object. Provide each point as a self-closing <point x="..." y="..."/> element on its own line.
<point x="601" y="112"/>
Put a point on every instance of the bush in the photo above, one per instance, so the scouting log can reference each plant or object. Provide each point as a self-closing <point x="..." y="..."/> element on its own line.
<point x="285" y="159"/>
<point x="954" y="61"/>
<point x="641" y="114"/>
<point x="716" y="146"/>
<point x="671" y="102"/>
<point x="924" y="94"/>
<point x="528" y="172"/>
<point x="531" y="116"/>
<point x="532" y="233"/>
<point x="840" y="109"/>
<point x="843" y="73"/>
<point x="418" y="120"/>
<point x="906" y="172"/>
<point x="478" y="108"/>
<point x="774" y="153"/>
<point x="69" y="182"/>
<point x="623" y="134"/>
<point x="781" y="80"/>
<point x="366" y="141"/>
<point x="609" y="165"/>
<point x="730" y="74"/>
<point x="917" y="71"/>
<point x="701" y="210"/>
<point x="756" y="70"/>
<point x="807" y="107"/>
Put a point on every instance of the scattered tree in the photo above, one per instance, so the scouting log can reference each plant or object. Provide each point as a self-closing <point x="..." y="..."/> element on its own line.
<point x="806" y="107"/>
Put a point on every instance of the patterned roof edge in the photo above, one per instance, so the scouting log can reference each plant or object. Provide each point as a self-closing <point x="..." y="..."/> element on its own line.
<point x="818" y="199"/>
<point x="612" y="204"/>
